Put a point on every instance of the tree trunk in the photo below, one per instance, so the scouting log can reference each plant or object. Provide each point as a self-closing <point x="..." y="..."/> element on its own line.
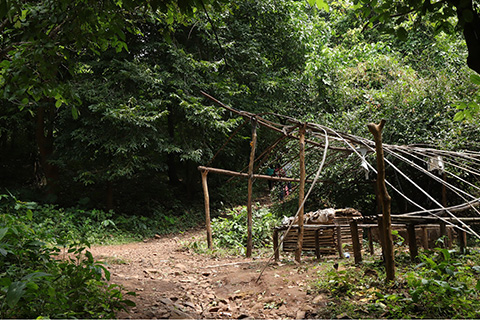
<point x="468" y="16"/>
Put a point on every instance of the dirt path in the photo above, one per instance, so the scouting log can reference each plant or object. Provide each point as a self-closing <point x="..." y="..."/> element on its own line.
<point x="172" y="281"/>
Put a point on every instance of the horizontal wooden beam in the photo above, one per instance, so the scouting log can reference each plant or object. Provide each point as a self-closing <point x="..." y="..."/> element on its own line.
<point x="245" y="175"/>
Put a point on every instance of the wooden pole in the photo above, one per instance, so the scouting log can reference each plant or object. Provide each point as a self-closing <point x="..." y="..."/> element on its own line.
<point x="301" y="194"/>
<point x="376" y="131"/>
<point x="424" y="237"/>
<point x="450" y="236"/>
<point x="276" y="249"/>
<point x="462" y="239"/>
<point x="338" y="231"/>
<point x="245" y="175"/>
<point x="317" y="244"/>
<point x="370" y="240"/>
<point x="207" y="209"/>
<point x="412" y="241"/>
<point x="357" y="248"/>
<point x="253" y="144"/>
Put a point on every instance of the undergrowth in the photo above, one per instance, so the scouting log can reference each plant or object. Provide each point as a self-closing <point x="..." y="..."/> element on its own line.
<point x="445" y="284"/>
<point x="66" y="226"/>
<point x="230" y="233"/>
<point x="38" y="279"/>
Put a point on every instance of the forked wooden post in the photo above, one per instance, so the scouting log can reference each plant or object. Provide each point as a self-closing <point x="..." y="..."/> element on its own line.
<point x="207" y="209"/>
<point x="253" y="145"/>
<point x="376" y="131"/>
<point x="301" y="194"/>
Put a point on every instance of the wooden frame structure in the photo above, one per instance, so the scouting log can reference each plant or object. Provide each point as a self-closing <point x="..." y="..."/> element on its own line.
<point x="347" y="143"/>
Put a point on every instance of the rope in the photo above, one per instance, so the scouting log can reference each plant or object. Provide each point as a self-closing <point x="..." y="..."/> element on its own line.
<point x="390" y="185"/>
<point x="301" y="205"/>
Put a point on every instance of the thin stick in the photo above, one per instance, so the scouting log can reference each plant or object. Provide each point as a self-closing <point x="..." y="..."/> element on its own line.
<point x="306" y="197"/>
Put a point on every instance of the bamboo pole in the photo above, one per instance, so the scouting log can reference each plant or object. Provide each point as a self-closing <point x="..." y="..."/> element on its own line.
<point x="301" y="194"/>
<point x="207" y="208"/>
<point x="253" y="145"/>
<point x="376" y="131"/>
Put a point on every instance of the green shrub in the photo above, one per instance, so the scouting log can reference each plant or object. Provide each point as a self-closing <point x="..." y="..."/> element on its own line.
<point x="444" y="285"/>
<point x="232" y="232"/>
<point x="38" y="280"/>
<point x="63" y="227"/>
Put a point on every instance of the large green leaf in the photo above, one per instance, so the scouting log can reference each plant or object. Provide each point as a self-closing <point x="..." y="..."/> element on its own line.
<point x="15" y="292"/>
<point x="3" y="232"/>
<point x="475" y="78"/>
<point x="322" y="4"/>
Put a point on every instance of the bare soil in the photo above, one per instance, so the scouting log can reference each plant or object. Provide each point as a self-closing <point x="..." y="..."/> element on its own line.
<point x="171" y="281"/>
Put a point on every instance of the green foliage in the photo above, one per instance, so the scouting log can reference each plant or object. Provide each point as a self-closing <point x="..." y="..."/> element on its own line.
<point x="469" y="111"/>
<point x="444" y="285"/>
<point x="38" y="280"/>
<point x="139" y="126"/>
<point x="448" y="286"/>
<point x="231" y="232"/>
<point x="66" y="227"/>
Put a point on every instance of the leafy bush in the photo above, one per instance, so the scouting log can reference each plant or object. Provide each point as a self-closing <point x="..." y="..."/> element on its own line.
<point x="232" y="232"/>
<point x="66" y="226"/>
<point x="443" y="285"/>
<point x="37" y="279"/>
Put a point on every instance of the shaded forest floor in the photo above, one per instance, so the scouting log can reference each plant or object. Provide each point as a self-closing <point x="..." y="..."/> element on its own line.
<point x="172" y="281"/>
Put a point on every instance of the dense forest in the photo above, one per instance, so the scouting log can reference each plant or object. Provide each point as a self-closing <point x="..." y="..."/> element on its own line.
<point x="102" y="105"/>
<point x="103" y="120"/>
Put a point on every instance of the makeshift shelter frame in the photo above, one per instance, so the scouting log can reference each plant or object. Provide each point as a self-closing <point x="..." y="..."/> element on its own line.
<point x="350" y="141"/>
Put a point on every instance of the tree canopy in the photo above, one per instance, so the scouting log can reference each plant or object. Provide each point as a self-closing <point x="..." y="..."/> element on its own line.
<point x="101" y="100"/>
<point x="445" y="16"/>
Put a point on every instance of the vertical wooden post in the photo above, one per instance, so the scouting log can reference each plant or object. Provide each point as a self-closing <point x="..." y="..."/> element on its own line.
<point x="207" y="209"/>
<point x="357" y="248"/>
<point x="338" y="231"/>
<point x="412" y="241"/>
<point x="276" y="249"/>
<point x="462" y="239"/>
<point x="370" y="240"/>
<point x="253" y="144"/>
<point x="443" y="233"/>
<point x="301" y="194"/>
<point x="317" y="243"/>
<point x="376" y="131"/>
<point x="425" y="237"/>
<point x="450" y="236"/>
